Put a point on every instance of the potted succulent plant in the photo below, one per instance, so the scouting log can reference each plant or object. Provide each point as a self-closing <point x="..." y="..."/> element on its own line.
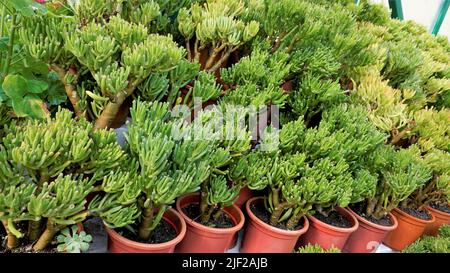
<point x="210" y="215"/>
<point x="314" y="174"/>
<point x="48" y="170"/>
<point x="432" y="137"/>
<point x="309" y="248"/>
<point x="398" y="174"/>
<point x="102" y="52"/>
<point x="165" y="163"/>
<point x="28" y="89"/>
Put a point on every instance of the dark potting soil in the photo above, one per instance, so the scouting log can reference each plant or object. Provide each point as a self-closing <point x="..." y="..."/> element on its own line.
<point x="193" y="212"/>
<point x="163" y="232"/>
<point x="334" y="218"/>
<point x="441" y="207"/>
<point x="384" y="221"/>
<point x="421" y="214"/>
<point x="261" y="212"/>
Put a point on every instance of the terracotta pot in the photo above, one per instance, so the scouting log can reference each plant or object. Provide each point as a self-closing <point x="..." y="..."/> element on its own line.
<point x="327" y="235"/>
<point x="244" y="194"/>
<point x="120" y="244"/>
<point x="288" y="86"/>
<point x="409" y="229"/>
<point x="368" y="236"/>
<point x="203" y="239"/>
<point x="261" y="237"/>
<point x="441" y="218"/>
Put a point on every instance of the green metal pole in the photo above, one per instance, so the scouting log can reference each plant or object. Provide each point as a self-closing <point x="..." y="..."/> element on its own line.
<point x="440" y="17"/>
<point x="397" y="10"/>
<point x="357" y="2"/>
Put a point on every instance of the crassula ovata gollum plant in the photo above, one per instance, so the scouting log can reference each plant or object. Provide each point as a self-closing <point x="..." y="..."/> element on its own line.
<point x="47" y="170"/>
<point x="102" y="51"/>
<point x="215" y="29"/>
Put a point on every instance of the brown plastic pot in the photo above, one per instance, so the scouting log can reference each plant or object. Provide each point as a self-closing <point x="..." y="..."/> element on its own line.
<point x="368" y="236"/>
<point x="203" y="239"/>
<point x="120" y="244"/>
<point x="261" y="237"/>
<point x="441" y="218"/>
<point x="328" y="236"/>
<point x="409" y="229"/>
<point x="244" y="194"/>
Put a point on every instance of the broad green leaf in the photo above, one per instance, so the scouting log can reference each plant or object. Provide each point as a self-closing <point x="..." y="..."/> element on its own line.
<point x="36" y="86"/>
<point x="24" y="7"/>
<point x="30" y="106"/>
<point x="15" y="86"/>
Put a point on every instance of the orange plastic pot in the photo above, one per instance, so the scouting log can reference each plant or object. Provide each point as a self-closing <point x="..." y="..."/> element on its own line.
<point x="441" y="218"/>
<point x="261" y="237"/>
<point x="244" y="194"/>
<point x="203" y="239"/>
<point x="409" y="229"/>
<point x="328" y="236"/>
<point x="120" y="244"/>
<point x="368" y="236"/>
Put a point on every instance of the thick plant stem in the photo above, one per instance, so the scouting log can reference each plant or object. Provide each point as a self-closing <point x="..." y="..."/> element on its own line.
<point x="12" y="241"/>
<point x="276" y="214"/>
<point x="146" y="223"/>
<point x="46" y="237"/>
<point x="222" y="60"/>
<point x="204" y="198"/>
<point x="112" y="108"/>
<point x="34" y="230"/>
<point x="69" y="88"/>
<point x="206" y="216"/>
<point x="293" y="221"/>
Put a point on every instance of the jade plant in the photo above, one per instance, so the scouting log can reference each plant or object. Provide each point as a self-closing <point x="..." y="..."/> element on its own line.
<point x="397" y="174"/>
<point x="430" y="244"/>
<point x="313" y="170"/>
<point x="102" y="51"/>
<point x="315" y="42"/>
<point x="214" y="30"/>
<point x="309" y="248"/>
<point x="47" y="171"/>
<point x="163" y="166"/>
<point x="227" y="162"/>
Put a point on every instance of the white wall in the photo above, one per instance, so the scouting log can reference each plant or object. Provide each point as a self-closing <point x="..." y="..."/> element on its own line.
<point x="423" y="12"/>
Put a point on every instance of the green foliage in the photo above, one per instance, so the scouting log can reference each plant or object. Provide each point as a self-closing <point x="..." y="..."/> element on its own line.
<point x="47" y="170"/>
<point x="110" y="44"/>
<point x="170" y="158"/>
<point x="217" y="27"/>
<point x="309" y="248"/>
<point x="400" y="174"/>
<point x="429" y="244"/>
<point x="71" y="240"/>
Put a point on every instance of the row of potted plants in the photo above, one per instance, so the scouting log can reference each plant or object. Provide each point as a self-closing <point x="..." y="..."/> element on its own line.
<point x="360" y="155"/>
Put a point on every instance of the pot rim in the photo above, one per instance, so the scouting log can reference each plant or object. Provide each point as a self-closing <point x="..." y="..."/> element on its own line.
<point x="139" y="245"/>
<point x="341" y="211"/>
<point x="374" y="225"/>
<point x="199" y="226"/>
<point x="440" y="212"/>
<point x="414" y="220"/>
<point x="263" y="224"/>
